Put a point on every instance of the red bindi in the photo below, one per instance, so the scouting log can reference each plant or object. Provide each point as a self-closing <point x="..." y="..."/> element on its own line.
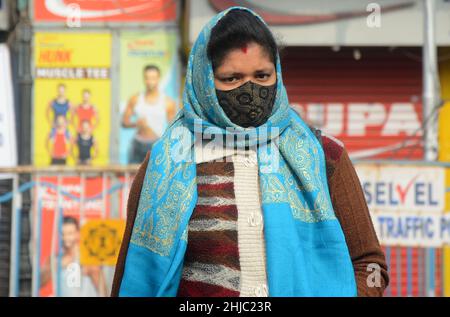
<point x="244" y="49"/>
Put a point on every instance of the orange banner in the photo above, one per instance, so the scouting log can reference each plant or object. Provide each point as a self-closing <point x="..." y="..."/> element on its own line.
<point x="105" y="11"/>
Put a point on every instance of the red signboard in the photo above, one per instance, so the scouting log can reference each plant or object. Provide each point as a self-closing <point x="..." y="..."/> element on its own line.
<point x="58" y="219"/>
<point x="105" y="10"/>
<point x="372" y="130"/>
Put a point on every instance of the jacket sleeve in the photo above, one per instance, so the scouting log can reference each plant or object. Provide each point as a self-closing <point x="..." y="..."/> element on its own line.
<point x="132" y="206"/>
<point x="351" y="209"/>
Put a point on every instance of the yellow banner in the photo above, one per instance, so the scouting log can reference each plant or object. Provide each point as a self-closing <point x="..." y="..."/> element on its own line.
<point x="72" y="98"/>
<point x="444" y="149"/>
<point x="444" y="112"/>
<point x="100" y="241"/>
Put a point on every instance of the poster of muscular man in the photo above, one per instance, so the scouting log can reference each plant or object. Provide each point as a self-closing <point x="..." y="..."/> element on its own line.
<point x="149" y="90"/>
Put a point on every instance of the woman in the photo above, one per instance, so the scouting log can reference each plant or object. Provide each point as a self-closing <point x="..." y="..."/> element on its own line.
<point x="267" y="208"/>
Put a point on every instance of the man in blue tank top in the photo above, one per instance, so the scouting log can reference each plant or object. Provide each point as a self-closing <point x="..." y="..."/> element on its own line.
<point x="60" y="106"/>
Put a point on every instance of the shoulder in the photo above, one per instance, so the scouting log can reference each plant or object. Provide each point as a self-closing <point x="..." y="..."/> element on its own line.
<point x="334" y="151"/>
<point x="332" y="147"/>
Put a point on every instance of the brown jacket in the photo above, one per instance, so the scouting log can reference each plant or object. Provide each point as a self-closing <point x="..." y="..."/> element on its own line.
<point x="349" y="205"/>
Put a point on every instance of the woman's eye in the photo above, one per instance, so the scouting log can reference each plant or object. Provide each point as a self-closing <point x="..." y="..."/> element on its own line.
<point x="229" y="79"/>
<point x="262" y="76"/>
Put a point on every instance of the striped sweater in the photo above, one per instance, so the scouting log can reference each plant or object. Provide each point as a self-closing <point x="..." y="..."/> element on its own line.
<point x="211" y="265"/>
<point x="222" y="261"/>
<point x="225" y="254"/>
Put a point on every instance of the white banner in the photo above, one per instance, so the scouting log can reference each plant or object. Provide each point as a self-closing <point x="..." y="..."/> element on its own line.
<point x="403" y="188"/>
<point x="326" y="22"/>
<point x="407" y="204"/>
<point x="8" y="149"/>
<point x="412" y="229"/>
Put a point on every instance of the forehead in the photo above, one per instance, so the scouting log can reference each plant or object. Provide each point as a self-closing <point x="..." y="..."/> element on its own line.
<point x="246" y="59"/>
<point x="151" y="72"/>
<point x="69" y="226"/>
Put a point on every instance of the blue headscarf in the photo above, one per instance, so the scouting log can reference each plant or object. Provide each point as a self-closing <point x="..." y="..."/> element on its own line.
<point x="306" y="252"/>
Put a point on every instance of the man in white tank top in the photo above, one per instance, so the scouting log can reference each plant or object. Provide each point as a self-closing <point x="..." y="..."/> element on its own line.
<point x="153" y="111"/>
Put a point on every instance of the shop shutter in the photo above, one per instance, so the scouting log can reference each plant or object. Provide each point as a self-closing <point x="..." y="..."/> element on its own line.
<point x="372" y="104"/>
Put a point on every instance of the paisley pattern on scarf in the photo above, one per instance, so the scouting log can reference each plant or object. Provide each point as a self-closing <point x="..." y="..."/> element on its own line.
<point x="155" y="230"/>
<point x="303" y="237"/>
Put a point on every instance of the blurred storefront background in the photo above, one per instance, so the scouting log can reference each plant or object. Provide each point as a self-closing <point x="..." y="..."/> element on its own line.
<point x="75" y="74"/>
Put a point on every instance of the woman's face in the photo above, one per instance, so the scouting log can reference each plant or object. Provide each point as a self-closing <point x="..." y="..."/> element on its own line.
<point x="249" y="63"/>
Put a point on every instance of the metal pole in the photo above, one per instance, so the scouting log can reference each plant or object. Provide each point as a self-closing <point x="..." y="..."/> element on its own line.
<point x="23" y="90"/>
<point x="14" y="265"/>
<point x="104" y="198"/>
<point x="430" y="82"/>
<point x="430" y="102"/>
<point x="37" y="233"/>
<point x="82" y="198"/>
<point x="59" y="220"/>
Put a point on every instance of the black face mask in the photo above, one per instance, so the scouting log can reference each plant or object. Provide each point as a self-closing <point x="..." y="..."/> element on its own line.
<point x="249" y="105"/>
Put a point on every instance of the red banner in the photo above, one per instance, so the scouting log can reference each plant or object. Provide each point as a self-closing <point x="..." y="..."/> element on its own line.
<point x="59" y="219"/>
<point x="105" y="10"/>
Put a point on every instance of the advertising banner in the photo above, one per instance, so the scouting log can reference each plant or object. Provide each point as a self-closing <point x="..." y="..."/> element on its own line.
<point x="149" y="90"/>
<point x="444" y="111"/>
<point x="444" y="145"/>
<point x="407" y="204"/>
<point x="76" y="242"/>
<point x="446" y="249"/>
<point x="72" y="98"/>
<point x="100" y="241"/>
<point x="104" y="11"/>
<point x="412" y="229"/>
<point x="8" y="148"/>
<point x="394" y="129"/>
<point x="403" y="188"/>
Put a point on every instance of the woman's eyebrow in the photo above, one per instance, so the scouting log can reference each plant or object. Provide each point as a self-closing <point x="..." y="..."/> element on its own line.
<point x="228" y="74"/>
<point x="264" y="70"/>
